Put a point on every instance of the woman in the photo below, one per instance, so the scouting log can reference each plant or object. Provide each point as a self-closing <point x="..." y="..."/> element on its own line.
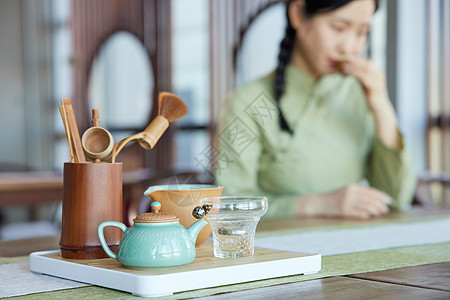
<point x="307" y="134"/>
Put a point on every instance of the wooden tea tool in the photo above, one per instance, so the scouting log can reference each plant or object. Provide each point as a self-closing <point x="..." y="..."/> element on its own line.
<point x="170" y="108"/>
<point x="73" y="136"/>
<point x="66" y="127"/>
<point x="97" y="141"/>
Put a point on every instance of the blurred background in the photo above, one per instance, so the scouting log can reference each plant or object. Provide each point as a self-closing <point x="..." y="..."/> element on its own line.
<point x="117" y="55"/>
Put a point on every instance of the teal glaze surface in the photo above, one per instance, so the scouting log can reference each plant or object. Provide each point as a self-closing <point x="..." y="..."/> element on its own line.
<point x="179" y="187"/>
<point x="154" y="245"/>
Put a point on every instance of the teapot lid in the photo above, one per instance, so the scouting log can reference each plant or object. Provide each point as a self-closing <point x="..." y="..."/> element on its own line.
<point x="155" y="216"/>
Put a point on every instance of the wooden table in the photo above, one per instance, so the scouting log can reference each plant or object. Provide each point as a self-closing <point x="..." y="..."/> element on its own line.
<point x="30" y="188"/>
<point x="419" y="282"/>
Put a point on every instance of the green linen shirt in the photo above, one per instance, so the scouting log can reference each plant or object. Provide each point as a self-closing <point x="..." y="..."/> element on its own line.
<point x="334" y="143"/>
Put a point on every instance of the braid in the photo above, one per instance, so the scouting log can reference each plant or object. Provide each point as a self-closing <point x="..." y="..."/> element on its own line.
<point x="284" y="57"/>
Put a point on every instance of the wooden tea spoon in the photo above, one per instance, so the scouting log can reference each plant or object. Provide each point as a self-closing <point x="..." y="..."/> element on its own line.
<point x="97" y="142"/>
<point x="170" y="108"/>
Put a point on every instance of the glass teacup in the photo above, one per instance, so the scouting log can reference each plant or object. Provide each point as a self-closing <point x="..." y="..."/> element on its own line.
<point x="233" y="220"/>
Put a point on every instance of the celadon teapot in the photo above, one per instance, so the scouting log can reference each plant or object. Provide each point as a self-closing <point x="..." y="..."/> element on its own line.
<point x="156" y="240"/>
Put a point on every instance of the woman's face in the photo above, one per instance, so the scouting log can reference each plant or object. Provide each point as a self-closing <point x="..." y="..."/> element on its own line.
<point x="324" y="40"/>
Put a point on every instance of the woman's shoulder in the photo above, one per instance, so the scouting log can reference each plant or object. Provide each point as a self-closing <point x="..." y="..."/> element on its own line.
<point x="251" y="91"/>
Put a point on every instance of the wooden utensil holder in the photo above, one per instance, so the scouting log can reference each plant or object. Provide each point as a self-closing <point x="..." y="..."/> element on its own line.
<point x="92" y="194"/>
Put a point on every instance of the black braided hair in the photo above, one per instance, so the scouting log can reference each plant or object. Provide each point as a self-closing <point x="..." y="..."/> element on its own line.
<point x="284" y="57"/>
<point x="311" y="8"/>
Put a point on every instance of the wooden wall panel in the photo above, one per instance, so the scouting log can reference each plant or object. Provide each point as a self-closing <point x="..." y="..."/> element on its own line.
<point x="93" y="22"/>
<point x="229" y="21"/>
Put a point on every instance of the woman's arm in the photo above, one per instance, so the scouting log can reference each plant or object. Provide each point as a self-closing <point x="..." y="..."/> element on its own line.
<point x="389" y="167"/>
<point x="373" y="81"/>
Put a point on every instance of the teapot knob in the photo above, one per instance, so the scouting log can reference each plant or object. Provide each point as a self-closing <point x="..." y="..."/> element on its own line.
<point x="155" y="206"/>
<point x="200" y="211"/>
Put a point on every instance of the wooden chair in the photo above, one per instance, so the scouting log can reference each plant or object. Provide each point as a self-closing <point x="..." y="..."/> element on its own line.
<point x="433" y="190"/>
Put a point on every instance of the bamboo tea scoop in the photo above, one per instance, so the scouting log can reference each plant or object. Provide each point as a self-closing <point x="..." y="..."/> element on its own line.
<point x="97" y="142"/>
<point x="170" y="108"/>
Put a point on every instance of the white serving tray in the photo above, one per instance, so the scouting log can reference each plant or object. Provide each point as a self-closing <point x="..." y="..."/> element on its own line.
<point x="204" y="272"/>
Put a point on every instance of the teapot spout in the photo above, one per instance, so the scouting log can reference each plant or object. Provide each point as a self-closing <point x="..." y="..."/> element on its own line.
<point x="195" y="228"/>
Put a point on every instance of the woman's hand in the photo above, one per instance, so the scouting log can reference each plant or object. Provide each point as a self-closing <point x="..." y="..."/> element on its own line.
<point x="373" y="81"/>
<point x="352" y="201"/>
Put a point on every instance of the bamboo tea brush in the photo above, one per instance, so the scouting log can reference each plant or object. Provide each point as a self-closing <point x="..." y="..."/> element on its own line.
<point x="170" y="109"/>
